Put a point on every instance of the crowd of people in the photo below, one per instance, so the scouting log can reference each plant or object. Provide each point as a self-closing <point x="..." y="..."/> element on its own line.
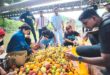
<point x="97" y="54"/>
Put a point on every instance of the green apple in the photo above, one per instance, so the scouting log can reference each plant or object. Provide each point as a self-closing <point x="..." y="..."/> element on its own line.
<point x="54" y="67"/>
<point x="27" y="70"/>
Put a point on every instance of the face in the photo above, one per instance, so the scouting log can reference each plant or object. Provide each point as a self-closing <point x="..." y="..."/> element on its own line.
<point x="46" y="38"/>
<point x="69" y="30"/>
<point x="56" y="11"/>
<point x="41" y="13"/>
<point x="89" y="23"/>
<point x="1" y="37"/>
<point x="26" y="32"/>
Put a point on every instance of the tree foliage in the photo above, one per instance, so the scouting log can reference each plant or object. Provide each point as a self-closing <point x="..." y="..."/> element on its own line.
<point x="10" y="25"/>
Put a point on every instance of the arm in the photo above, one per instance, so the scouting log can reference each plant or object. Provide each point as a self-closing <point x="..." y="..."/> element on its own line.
<point x="54" y="39"/>
<point x="103" y="60"/>
<point x="24" y="45"/>
<point x="48" y="22"/>
<point x="67" y="40"/>
<point x="2" y="47"/>
<point x="63" y="25"/>
<point x="37" y="22"/>
<point x="89" y="32"/>
<point x="52" y="20"/>
<point x="21" y="18"/>
<point x="33" y="19"/>
<point x="2" y="71"/>
<point x="53" y="26"/>
<point x="40" y="39"/>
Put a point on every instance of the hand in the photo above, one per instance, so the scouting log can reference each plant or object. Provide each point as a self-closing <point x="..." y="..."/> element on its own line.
<point x="69" y="55"/>
<point x="85" y="36"/>
<point x="75" y="42"/>
<point x="1" y="52"/>
<point x="49" y="45"/>
<point x="27" y="36"/>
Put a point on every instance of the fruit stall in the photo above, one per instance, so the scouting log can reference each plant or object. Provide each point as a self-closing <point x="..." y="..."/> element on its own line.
<point x="52" y="61"/>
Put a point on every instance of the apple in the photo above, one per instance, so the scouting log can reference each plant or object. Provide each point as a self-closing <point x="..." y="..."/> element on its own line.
<point x="58" y="70"/>
<point x="44" y="74"/>
<point x="31" y="72"/>
<point x="24" y="74"/>
<point x="57" y="73"/>
<point x="53" y="71"/>
<point x="49" y="74"/>
<point x="63" y="70"/>
<point x="43" y="69"/>
<point x="63" y="73"/>
<point x="48" y="71"/>
<point x="27" y="70"/>
<point x="65" y="67"/>
<point x="20" y="73"/>
<point x="47" y="65"/>
<point x="54" y="67"/>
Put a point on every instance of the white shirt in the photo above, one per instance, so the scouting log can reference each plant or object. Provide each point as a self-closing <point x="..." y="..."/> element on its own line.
<point x="42" y="22"/>
<point x="57" y="22"/>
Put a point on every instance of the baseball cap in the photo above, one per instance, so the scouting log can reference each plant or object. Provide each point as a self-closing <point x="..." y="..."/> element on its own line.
<point x="2" y="32"/>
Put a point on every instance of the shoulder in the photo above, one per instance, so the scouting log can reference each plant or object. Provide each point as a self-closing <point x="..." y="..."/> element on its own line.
<point x="105" y="26"/>
<point x="18" y="33"/>
<point x="53" y="17"/>
<point x="50" y="31"/>
<point x="66" y="33"/>
<point x="23" y="14"/>
<point x="74" y="32"/>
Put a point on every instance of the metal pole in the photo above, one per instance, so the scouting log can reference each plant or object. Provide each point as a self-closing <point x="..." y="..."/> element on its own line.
<point x="81" y="3"/>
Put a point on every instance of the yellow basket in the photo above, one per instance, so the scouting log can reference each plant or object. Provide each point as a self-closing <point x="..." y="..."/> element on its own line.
<point x="83" y="67"/>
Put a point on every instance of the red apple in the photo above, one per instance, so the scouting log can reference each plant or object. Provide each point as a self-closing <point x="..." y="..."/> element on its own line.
<point x="31" y="72"/>
<point x="34" y="74"/>
<point x="47" y="66"/>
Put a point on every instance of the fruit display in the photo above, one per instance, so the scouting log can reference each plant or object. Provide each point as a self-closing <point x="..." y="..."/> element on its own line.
<point x="52" y="61"/>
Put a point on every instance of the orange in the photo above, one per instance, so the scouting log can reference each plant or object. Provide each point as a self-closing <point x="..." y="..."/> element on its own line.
<point x="70" y="73"/>
<point x="40" y="73"/>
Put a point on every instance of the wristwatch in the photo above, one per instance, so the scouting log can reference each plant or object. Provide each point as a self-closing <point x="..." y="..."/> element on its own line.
<point x="80" y="58"/>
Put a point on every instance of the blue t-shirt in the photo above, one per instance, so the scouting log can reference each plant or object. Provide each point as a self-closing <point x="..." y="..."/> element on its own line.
<point x="17" y="42"/>
<point x="28" y="18"/>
